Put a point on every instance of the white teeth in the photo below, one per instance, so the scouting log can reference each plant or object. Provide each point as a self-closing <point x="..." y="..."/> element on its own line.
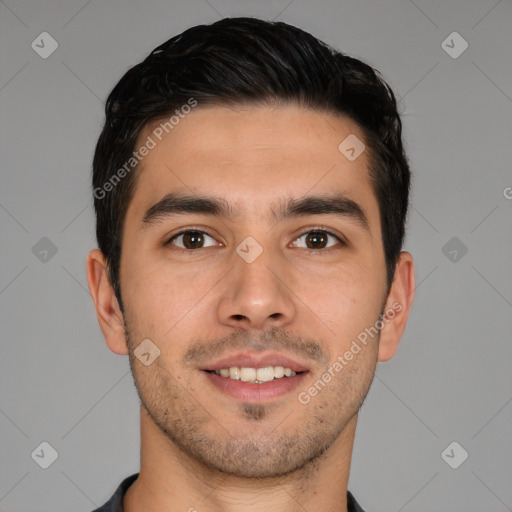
<point x="278" y="372"/>
<point x="265" y="374"/>
<point x="247" y="374"/>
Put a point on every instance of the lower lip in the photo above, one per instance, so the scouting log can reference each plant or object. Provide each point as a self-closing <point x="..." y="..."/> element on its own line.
<point x="249" y="392"/>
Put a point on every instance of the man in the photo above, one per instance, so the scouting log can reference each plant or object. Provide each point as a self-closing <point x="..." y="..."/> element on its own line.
<point x="251" y="191"/>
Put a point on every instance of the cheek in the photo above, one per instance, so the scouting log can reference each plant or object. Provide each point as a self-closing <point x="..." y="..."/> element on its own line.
<point x="343" y="300"/>
<point x="166" y="304"/>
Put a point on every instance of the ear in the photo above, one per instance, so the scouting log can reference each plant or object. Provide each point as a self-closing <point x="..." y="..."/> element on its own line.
<point x="107" y="307"/>
<point x="398" y="306"/>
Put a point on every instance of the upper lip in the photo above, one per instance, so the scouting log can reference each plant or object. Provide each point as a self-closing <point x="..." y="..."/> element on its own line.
<point x="253" y="360"/>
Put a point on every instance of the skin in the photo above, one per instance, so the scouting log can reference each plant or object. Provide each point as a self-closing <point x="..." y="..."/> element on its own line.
<point x="199" y="447"/>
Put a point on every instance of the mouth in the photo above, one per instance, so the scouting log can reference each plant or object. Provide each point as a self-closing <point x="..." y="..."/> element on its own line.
<point x="255" y="378"/>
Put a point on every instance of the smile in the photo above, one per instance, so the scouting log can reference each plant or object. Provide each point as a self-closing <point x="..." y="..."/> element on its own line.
<point x="255" y="375"/>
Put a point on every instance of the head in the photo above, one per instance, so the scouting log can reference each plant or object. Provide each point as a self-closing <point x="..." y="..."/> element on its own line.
<point x="251" y="113"/>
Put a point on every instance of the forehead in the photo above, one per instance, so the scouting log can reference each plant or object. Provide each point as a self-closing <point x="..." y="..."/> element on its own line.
<point x="252" y="156"/>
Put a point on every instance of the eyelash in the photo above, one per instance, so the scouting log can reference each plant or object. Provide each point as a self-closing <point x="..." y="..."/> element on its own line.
<point x="321" y="229"/>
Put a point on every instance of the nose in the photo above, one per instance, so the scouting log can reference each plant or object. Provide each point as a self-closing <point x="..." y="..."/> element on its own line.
<point x="257" y="295"/>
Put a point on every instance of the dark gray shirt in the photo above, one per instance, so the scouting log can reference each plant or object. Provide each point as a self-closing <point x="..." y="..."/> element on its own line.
<point x="115" y="504"/>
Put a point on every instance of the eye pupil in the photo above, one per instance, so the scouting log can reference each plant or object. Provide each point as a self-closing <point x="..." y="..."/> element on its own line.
<point x="315" y="237"/>
<point x="192" y="238"/>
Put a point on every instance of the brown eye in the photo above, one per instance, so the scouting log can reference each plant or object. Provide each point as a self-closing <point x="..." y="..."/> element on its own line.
<point x="190" y="240"/>
<point x="318" y="239"/>
<point x="193" y="239"/>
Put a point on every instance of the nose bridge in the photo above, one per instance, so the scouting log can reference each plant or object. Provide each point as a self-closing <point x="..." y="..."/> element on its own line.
<point x="255" y="293"/>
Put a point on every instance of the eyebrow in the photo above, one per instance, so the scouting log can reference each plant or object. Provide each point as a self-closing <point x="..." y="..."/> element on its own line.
<point x="178" y="203"/>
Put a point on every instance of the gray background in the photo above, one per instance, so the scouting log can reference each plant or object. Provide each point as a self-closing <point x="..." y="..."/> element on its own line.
<point x="451" y="379"/>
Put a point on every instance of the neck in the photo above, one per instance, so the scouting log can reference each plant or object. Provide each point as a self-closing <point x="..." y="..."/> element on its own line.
<point x="170" y="480"/>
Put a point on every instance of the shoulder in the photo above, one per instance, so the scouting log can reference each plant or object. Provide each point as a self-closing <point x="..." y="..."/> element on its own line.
<point x="115" y="503"/>
<point x="352" y="505"/>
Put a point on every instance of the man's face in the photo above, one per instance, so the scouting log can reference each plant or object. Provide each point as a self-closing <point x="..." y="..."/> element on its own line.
<point x="253" y="290"/>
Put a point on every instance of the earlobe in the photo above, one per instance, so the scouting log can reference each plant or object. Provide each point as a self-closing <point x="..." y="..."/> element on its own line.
<point x="398" y="306"/>
<point x="110" y="317"/>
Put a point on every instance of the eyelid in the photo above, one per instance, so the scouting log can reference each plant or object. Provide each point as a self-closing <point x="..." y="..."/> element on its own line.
<point x="325" y="229"/>
<point x="189" y="229"/>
